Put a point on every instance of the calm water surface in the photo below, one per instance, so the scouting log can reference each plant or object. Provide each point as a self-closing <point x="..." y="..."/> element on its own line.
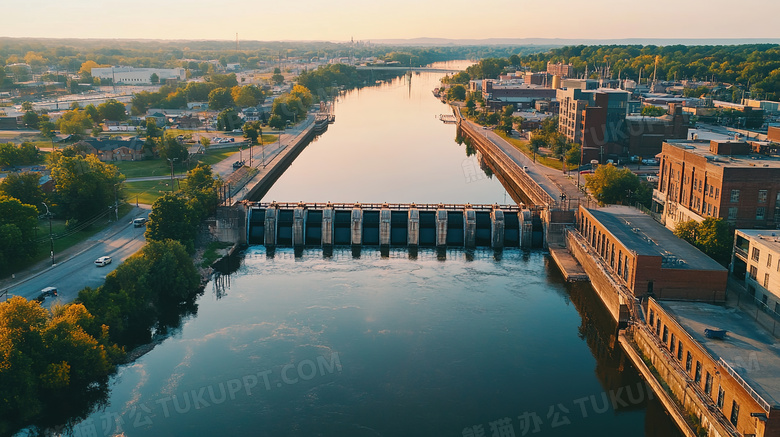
<point x="474" y="345"/>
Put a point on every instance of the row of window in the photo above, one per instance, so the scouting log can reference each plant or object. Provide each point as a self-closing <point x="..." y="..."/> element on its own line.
<point x="606" y="249"/>
<point x="675" y="347"/>
<point x="762" y="196"/>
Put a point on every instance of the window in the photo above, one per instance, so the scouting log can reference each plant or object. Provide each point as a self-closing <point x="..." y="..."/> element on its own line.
<point x="721" y="397"/>
<point x="679" y="351"/>
<point x="753" y="272"/>
<point x="716" y="192"/>
<point x="761" y="196"/>
<point x="760" y="213"/>
<point x="665" y="337"/>
<point x="734" y="196"/>
<point x="766" y="282"/>
<point x="688" y="361"/>
<point x="732" y="213"/>
<point x="756" y="254"/>
<point x="697" y="374"/>
<point x="708" y="384"/>
<point x="734" y="412"/>
<point x="672" y="345"/>
<point x="652" y="317"/>
<point x="715" y="211"/>
<point x="769" y="260"/>
<point x="764" y="298"/>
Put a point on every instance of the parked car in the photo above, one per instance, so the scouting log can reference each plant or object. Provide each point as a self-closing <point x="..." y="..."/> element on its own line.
<point x="650" y="162"/>
<point x="140" y="221"/>
<point x="238" y="164"/>
<point x="584" y="172"/>
<point x="103" y="261"/>
<point x="238" y="131"/>
<point x="525" y="168"/>
<point x="47" y="292"/>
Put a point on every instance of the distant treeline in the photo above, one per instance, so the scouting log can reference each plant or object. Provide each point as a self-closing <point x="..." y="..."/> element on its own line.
<point x="755" y="67"/>
<point x="68" y="55"/>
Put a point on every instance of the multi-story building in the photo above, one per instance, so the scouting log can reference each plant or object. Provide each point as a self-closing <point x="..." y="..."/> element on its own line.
<point x="721" y="179"/>
<point x="717" y="361"/>
<point x="138" y="76"/>
<point x="756" y="260"/>
<point x="647" y="134"/>
<point x="648" y="259"/>
<point x="595" y="119"/>
<point x="498" y="94"/>
<point x="560" y="69"/>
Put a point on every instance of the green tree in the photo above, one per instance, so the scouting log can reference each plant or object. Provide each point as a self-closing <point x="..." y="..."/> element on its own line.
<point x="154" y="79"/>
<point x="653" y="111"/>
<point x="93" y="113"/>
<point x="573" y="155"/>
<point x="200" y="187"/>
<point x="228" y="120"/>
<point x="224" y="80"/>
<point x="27" y="106"/>
<point x="47" y="129"/>
<point x="470" y="106"/>
<point x="252" y="131"/>
<point x="84" y="185"/>
<point x="23" y="186"/>
<point x="171" y="219"/>
<point x="611" y="185"/>
<point x="277" y="78"/>
<point x="171" y="148"/>
<point x="456" y="92"/>
<point x="112" y="110"/>
<point x="31" y="119"/>
<point x="687" y="230"/>
<point x="152" y="131"/>
<point x="712" y="236"/>
<point x="220" y="98"/>
<point x="246" y="96"/>
<point x="74" y="122"/>
<point x="18" y="223"/>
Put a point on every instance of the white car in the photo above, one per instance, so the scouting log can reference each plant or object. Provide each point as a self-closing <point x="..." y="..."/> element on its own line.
<point x="103" y="261"/>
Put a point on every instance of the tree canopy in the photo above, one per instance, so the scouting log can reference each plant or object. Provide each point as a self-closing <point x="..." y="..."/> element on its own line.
<point x="712" y="236"/>
<point x="84" y="185"/>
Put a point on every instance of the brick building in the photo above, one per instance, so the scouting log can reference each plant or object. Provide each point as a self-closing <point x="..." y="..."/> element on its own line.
<point x="595" y="119"/>
<point x="729" y="383"/>
<point x="646" y="135"/>
<point x="560" y="69"/>
<point x="722" y="179"/>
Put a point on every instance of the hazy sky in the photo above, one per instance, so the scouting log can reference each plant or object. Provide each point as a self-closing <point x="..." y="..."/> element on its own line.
<point x="338" y="20"/>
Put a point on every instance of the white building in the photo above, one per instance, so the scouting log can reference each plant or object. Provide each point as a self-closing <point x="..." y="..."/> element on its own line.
<point x="138" y="76"/>
<point x="756" y="256"/>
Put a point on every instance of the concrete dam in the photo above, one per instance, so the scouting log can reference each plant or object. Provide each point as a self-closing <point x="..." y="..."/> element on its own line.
<point x="466" y="226"/>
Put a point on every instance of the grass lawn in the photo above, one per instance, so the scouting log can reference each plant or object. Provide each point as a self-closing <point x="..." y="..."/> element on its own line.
<point x="525" y="147"/>
<point x="146" y="191"/>
<point x="147" y="167"/>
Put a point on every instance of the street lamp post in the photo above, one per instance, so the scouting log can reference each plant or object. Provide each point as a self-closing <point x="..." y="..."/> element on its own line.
<point x="51" y="237"/>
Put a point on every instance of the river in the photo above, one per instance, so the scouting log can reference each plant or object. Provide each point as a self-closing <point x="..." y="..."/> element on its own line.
<point x="398" y="345"/>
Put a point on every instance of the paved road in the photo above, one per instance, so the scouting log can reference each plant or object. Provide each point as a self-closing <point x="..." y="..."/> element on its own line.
<point x="79" y="271"/>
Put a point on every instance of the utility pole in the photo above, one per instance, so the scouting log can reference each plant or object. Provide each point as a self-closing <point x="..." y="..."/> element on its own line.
<point x="171" y="162"/>
<point x="51" y="237"/>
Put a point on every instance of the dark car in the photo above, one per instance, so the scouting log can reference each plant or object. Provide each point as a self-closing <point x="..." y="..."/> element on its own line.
<point x="238" y="164"/>
<point x="47" y="292"/>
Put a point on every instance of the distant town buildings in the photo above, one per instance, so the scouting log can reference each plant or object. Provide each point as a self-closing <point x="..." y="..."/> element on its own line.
<point x="138" y="76"/>
<point x="733" y="180"/>
<point x="560" y="69"/>
<point x="498" y="94"/>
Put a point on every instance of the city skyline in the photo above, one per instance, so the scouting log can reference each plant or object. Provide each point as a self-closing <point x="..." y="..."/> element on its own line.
<point x="405" y="19"/>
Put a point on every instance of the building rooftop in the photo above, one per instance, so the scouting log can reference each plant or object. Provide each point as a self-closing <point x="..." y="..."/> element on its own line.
<point x="769" y="238"/>
<point x="749" y="349"/>
<point x="640" y="233"/>
<point x="701" y="147"/>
